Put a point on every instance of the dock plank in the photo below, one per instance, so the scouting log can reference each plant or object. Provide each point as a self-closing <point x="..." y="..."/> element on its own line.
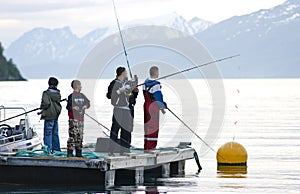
<point x="130" y="160"/>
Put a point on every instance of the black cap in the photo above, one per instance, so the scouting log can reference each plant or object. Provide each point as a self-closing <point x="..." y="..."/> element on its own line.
<point x="52" y="81"/>
<point x="120" y="70"/>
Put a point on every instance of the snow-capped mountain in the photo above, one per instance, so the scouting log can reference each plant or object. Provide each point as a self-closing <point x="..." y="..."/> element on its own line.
<point x="43" y="42"/>
<point x="260" y="22"/>
<point x="268" y="41"/>
<point x="40" y="51"/>
<point x="199" y="25"/>
<point x="175" y="21"/>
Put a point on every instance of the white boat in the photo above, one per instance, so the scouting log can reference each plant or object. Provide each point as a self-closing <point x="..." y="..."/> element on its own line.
<point x="16" y="134"/>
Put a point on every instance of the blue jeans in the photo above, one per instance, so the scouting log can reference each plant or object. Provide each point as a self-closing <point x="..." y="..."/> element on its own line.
<point x="51" y="139"/>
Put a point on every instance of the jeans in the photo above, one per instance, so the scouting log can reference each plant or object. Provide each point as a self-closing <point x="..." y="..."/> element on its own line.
<point x="51" y="139"/>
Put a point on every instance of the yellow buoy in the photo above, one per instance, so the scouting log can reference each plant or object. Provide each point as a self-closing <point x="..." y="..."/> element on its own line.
<point x="232" y="157"/>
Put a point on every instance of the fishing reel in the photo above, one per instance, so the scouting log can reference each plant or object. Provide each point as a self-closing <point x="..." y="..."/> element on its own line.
<point x="131" y="84"/>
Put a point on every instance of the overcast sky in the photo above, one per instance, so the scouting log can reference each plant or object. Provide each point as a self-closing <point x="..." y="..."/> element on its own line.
<point x="19" y="16"/>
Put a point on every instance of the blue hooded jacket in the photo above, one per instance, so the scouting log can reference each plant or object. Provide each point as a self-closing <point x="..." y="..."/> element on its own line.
<point x="154" y="88"/>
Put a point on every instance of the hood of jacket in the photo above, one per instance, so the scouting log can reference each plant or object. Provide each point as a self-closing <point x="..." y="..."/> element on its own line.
<point x="54" y="94"/>
<point x="150" y="82"/>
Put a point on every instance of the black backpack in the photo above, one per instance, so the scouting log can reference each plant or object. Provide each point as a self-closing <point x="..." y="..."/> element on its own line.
<point x="109" y="89"/>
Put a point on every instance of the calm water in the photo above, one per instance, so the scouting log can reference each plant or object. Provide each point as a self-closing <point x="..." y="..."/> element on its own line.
<point x="268" y="125"/>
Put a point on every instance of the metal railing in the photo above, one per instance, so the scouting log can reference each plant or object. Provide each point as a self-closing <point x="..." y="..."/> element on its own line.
<point x="11" y="139"/>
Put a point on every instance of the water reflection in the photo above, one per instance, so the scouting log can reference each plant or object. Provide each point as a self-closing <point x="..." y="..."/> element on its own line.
<point x="136" y="190"/>
<point x="232" y="171"/>
<point x="151" y="190"/>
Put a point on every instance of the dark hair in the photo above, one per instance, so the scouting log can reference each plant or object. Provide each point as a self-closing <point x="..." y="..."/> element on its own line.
<point x="120" y="70"/>
<point x="153" y="70"/>
<point x="75" y="83"/>
<point x="52" y="81"/>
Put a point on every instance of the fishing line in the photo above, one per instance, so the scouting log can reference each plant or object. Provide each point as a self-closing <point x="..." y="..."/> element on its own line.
<point x="237" y="108"/>
<point x="236" y="122"/>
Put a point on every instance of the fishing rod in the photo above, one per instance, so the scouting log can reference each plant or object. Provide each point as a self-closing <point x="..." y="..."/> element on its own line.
<point x="122" y="40"/>
<point x="65" y="99"/>
<point x="189" y="69"/>
<point x="25" y="113"/>
<point x="102" y="126"/>
<point x="98" y="124"/>
<point x="193" y="132"/>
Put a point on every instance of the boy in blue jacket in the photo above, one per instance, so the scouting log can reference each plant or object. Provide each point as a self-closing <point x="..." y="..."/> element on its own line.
<point x="153" y="104"/>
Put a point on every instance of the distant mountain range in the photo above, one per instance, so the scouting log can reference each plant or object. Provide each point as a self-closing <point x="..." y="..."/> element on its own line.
<point x="268" y="41"/>
<point x="42" y="52"/>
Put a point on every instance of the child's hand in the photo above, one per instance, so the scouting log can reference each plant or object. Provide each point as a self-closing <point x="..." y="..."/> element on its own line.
<point x="122" y="90"/>
<point x="84" y="107"/>
<point x="76" y="108"/>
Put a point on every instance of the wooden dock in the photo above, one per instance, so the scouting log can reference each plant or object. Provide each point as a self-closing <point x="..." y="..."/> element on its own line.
<point x="108" y="171"/>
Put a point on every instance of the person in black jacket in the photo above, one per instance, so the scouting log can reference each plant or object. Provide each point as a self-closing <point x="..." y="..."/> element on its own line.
<point x="77" y="104"/>
<point x="123" y="99"/>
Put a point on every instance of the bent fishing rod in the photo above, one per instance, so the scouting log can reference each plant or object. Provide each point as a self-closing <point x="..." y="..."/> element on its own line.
<point x="166" y="76"/>
<point x="98" y="124"/>
<point x="193" y="132"/>
<point x="189" y="69"/>
<point x="25" y="113"/>
<point x="36" y="109"/>
<point x="103" y="127"/>
<point x="122" y="40"/>
<point x="39" y="113"/>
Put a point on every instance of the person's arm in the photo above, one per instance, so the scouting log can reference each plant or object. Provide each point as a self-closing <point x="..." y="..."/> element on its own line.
<point x="87" y="102"/>
<point x="69" y="103"/>
<point x="59" y="102"/>
<point x="45" y="104"/>
<point x="158" y="96"/>
<point x="120" y="90"/>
